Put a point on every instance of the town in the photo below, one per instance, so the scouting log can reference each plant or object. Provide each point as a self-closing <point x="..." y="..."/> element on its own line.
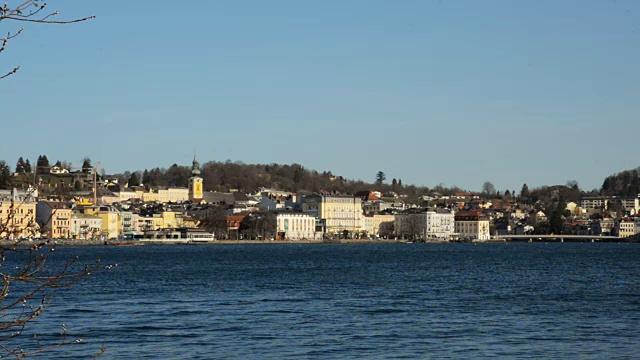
<point x="82" y="205"/>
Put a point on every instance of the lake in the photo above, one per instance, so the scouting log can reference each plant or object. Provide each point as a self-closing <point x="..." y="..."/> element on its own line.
<point x="327" y="301"/>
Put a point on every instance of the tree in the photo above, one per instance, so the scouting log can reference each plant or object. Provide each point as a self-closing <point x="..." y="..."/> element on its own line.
<point x="133" y="180"/>
<point x="28" y="279"/>
<point x="573" y="184"/>
<point x="507" y="194"/>
<point x="400" y="182"/>
<point x="146" y="179"/>
<point x="86" y="165"/>
<point x="258" y="224"/>
<point x="43" y="165"/>
<point x="216" y="221"/>
<point x="5" y="175"/>
<point x="20" y="166"/>
<point x="27" y="167"/>
<point x="524" y="194"/>
<point x="556" y="220"/>
<point x="29" y="11"/>
<point x="77" y="186"/>
<point x="380" y="177"/>
<point x="488" y="189"/>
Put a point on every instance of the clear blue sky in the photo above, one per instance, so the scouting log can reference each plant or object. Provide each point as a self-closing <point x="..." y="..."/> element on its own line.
<point x="453" y="92"/>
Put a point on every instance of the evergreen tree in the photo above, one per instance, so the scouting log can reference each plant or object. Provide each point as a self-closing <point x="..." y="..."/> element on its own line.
<point x="5" y="175"/>
<point x="524" y="194"/>
<point x="27" y="167"/>
<point x="133" y="180"/>
<point x="58" y="163"/>
<point x="380" y="177"/>
<point x="146" y="179"/>
<point x="20" y="166"/>
<point x="86" y="165"/>
<point x="77" y="186"/>
<point x="400" y="182"/>
<point x="556" y="221"/>
<point x="394" y="182"/>
<point x="42" y="166"/>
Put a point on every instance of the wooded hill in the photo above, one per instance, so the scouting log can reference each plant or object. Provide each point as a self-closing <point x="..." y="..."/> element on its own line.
<point x="224" y="176"/>
<point x="625" y="183"/>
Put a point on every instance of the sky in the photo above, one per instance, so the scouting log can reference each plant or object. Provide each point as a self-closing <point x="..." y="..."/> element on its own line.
<point x="453" y="92"/>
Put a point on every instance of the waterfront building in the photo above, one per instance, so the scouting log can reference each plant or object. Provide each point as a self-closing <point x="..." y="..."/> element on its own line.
<point x="603" y="227"/>
<point x="472" y="225"/>
<point x="296" y="226"/>
<point x="86" y="227"/>
<point x="379" y="225"/>
<point x="18" y="215"/>
<point x="342" y="214"/>
<point x="127" y="221"/>
<point x="195" y="182"/>
<point x="54" y="218"/>
<point x="111" y="222"/>
<point x="425" y="224"/>
<point x="625" y="227"/>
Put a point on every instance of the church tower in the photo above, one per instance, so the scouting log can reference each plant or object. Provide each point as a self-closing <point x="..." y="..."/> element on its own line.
<point x="195" y="182"/>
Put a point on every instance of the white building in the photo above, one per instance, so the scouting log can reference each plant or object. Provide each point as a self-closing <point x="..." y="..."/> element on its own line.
<point x="625" y="228"/>
<point x="57" y="170"/>
<point x="296" y="226"/>
<point x="630" y="204"/>
<point x="125" y="194"/>
<point x="430" y="224"/>
<point x="472" y="225"/>
<point x="598" y="202"/>
<point x="86" y="227"/>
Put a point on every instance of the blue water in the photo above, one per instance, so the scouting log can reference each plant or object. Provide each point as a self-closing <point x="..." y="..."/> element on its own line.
<point x="353" y="301"/>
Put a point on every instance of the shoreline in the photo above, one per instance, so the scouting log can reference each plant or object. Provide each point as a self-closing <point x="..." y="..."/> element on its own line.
<point x="127" y="243"/>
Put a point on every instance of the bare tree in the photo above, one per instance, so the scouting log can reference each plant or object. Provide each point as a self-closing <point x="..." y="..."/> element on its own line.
<point x="27" y="282"/>
<point x="488" y="189"/>
<point x="215" y="221"/>
<point x="29" y="11"/>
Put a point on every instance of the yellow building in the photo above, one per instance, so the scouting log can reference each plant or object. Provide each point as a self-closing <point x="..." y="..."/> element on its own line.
<point x="169" y="220"/>
<point x="111" y="223"/>
<point x="341" y="213"/>
<point x="379" y="225"/>
<point x="54" y="218"/>
<point x="18" y="220"/>
<point x="150" y="196"/>
<point x="158" y="221"/>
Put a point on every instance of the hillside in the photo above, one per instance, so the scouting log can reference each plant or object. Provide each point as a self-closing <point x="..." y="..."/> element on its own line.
<point x="224" y="176"/>
<point x="625" y="183"/>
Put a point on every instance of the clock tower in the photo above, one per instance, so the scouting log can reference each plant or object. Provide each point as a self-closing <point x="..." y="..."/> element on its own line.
<point x="195" y="182"/>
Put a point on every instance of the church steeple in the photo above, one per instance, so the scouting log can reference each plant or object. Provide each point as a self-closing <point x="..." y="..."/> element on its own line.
<point x="195" y="181"/>
<point x="195" y="168"/>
